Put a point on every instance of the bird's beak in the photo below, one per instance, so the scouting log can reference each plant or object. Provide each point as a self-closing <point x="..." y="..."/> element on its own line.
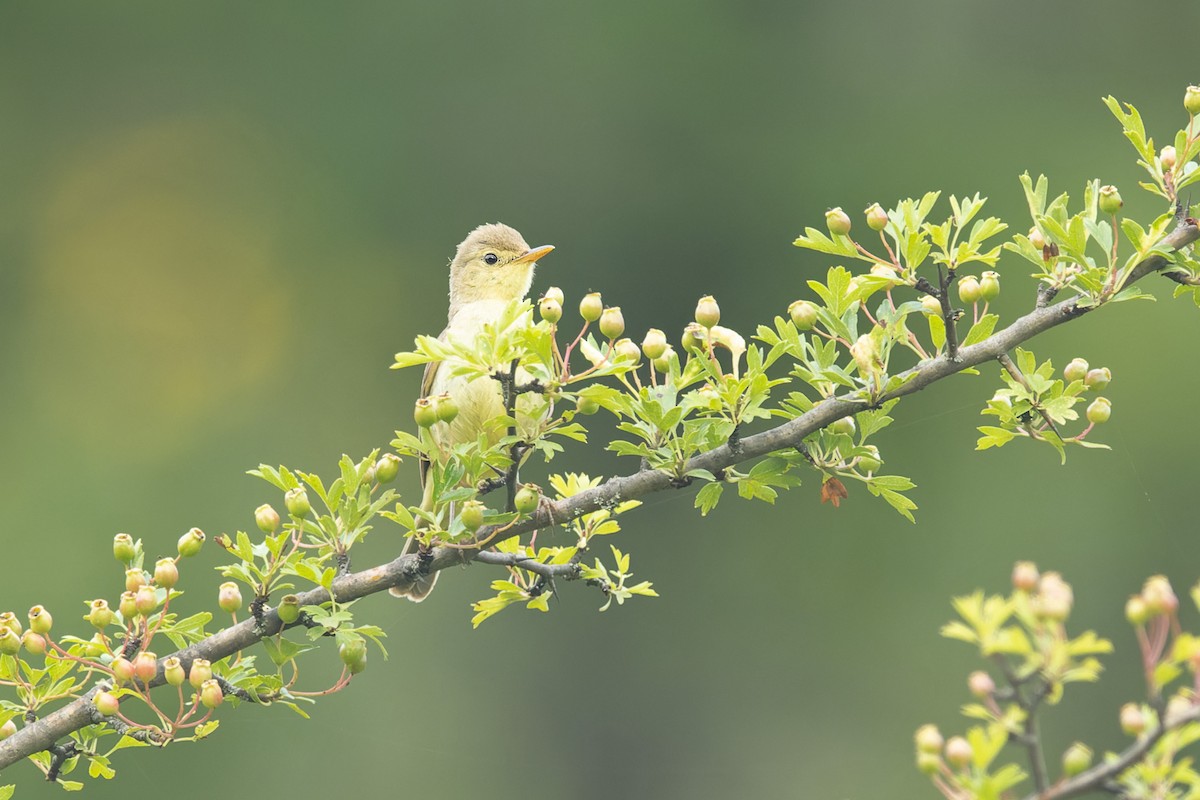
<point x="532" y="255"/>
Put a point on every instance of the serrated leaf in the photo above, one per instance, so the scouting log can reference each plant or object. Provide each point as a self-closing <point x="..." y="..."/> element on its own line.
<point x="981" y="329"/>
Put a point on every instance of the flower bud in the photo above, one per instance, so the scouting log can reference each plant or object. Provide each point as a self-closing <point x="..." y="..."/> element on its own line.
<point x="837" y="221"/>
<point x="424" y="414"/>
<point x="145" y="600"/>
<point x="128" y="605"/>
<point x="134" y="578"/>
<point x="980" y="684"/>
<point x="200" y="671"/>
<point x="266" y="518"/>
<point x="34" y="642"/>
<point x="708" y="313"/>
<point x="472" y="515"/>
<point x="591" y="307"/>
<point x="190" y="543"/>
<point x="122" y="669"/>
<point x="1076" y="759"/>
<point x="931" y="305"/>
<point x="877" y="218"/>
<point x="694" y="337"/>
<point x="1098" y="378"/>
<point x="526" y="500"/>
<point x="1054" y="598"/>
<point x="663" y="362"/>
<point x="550" y="310"/>
<point x="289" y="609"/>
<point x="969" y="290"/>
<point x="586" y="405"/>
<point x="1136" y="610"/>
<point x="1158" y="595"/>
<point x="1099" y="411"/>
<point x="655" y="343"/>
<point x="229" y="597"/>
<point x="296" y="500"/>
<point x="99" y="614"/>
<point x="1191" y="100"/>
<point x="354" y="655"/>
<point x="1025" y="576"/>
<point x="166" y="573"/>
<point x="145" y="666"/>
<point x="929" y="739"/>
<point x="106" y="703"/>
<point x="7" y="729"/>
<point x="9" y="620"/>
<point x="10" y="642"/>
<point x="865" y="352"/>
<point x="446" y="407"/>
<point x="1110" y="200"/>
<point x="1133" y="721"/>
<point x="556" y="294"/>
<point x="123" y="548"/>
<point x="211" y="695"/>
<point x="95" y="646"/>
<point x="871" y="461"/>
<point x="1076" y="370"/>
<point x="803" y="314"/>
<point x="959" y="751"/>
<point x="627" y="351"/>
<point x="1036" y="238"/>
<point x="612" y="324"/>
<point x="387" y="468"/>
<point x="845" y="425"/>
<point x="885" y="271"/>
<point x="929" y="763"/>
<point x="989" y="285"/>
<point x="40" y="620"/>
<point x="173" y="671"/>
<point x="1166" y="157"/>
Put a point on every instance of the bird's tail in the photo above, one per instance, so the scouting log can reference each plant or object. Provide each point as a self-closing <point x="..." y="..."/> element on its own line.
<point x="420" y="587"/>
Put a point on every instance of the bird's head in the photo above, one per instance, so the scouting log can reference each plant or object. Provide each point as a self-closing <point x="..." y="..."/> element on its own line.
<point x="492" y="263"/>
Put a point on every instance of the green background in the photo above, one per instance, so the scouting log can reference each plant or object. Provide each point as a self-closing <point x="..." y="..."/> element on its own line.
<point x="218" y="221"/>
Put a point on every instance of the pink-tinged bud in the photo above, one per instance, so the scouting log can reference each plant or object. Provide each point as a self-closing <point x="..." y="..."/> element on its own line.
<point x="190" y="543"/>
<point x="166" y="573"/>
<point x="627" y="351"/>
<point x="40" y="620"/>
<point x="7" y="729"/>
<point x="106" y="703"/>
<point x="471" y="515"/>
<point x="145" y="666"/>
<point x="229" y="597"/>
<point x="1054" y="598"/>
<point x="1136" y="610"/>
<point x="128" y="605"/>
<point x="173" y="671"/>
<point x="981" y="684"/>
<point x="289" y="609"/>
<point x="1191" y="100"/>
<point x="10" y="642"/>
<point x="1076" y="759"/>
<point x="123" y="548"/>
<point x="1098" y="379"/>
<point x="1037" y="239"/>
<point x="591" y="307"/>
<point x="694" y="337"/>
<point x="877" y="218"/>
<point x="145" y="600"/>
<point x="296" y="499"/>
<point x="34" y="642"/>
<point x="424" y="414"/>
<point x="556" y="294"/>
<point x="931" y="305"/>
<point x="1099" y="411"/>
<point x="989" y="285"/>
<point x="526" y="500"/>
<point x="211" y="695"/>
<point x="9" y="620"/>
<point x="1110" y="200"/>
<point x="803" y="314"/>
<point x="267" y="518"/>
<point x="200" y="671"/>
<point x="837" y="221"/>
<point x="1177" y="708"/>
<point x="122" y="669"/>
<point x="354" y="655"/>
<point x="845" y="426"/>
<point x="446" y="407"/>
<point x="655" y="343"/>
<point x="959" y="752"/>
<point x="708" y="313"/>
<point x="1025" y="576"/>
<point x="969" y="290"/>
<point x="1077" y="370"/>
<point x="929" y="763"/>
<point x="134" y="578"/>
<point x="99" y="614"/>
<point x="1166" y="157"/>
<point x="1133" y="721"/>
<point x="1159" y="597"/>
<point x="612" y="323"/>
<point x="550" y="310"/>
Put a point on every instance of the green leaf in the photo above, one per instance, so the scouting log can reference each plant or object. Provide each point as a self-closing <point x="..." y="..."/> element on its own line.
<point x="708" y="497"/>
<point x="981" y="329"/>
<point x="7" y="791"/>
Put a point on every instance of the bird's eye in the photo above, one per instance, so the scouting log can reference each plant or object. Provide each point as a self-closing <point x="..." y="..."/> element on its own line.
<point x="490" y="259"/>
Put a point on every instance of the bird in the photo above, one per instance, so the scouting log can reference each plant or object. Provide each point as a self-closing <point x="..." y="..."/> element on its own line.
<point x="491" y="268"/>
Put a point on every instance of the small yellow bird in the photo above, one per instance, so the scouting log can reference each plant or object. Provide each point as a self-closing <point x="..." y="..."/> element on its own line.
<point x="491" y="268"/>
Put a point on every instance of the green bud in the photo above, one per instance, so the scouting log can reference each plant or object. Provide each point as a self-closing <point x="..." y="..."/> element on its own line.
<point x="1133" y="721"/>
<point x="929" y="739"/>
<point x="550" y="310"/>
<point x="1166" y="158"/>
<point x="211" y="695"/>
<point x="289" y="609"/>
<point x="1076" y="759"/>
<point x="145" y="666"/>
<point x="931" y="304"/>
<point x="34" y="642"/>
<point x="446" y="407"/>
<point x="190" y="543"/>
<point x="424" y="414"/>
<point x="40" y="620"/>
<point x="969" y="290"/>
<point x="591" y="307"/>
<point x="266" y="518"/>
<point x="556" y="294"/>
<point x="134" y="579"/>
<point x="173" y="671"/>
<point x="626" y="350"/>
<point x="1110" y="200"/>
<point x="877" y="218"/>
<point x="95" y="647"/>
<point x="9" y="620"/>
<point x="959" y="752"/>
<point x="612" y="324"/>
<point x="838" y="221"/>
<point x="1098" y="378"/>
<point x="526" y="500"/>
<point x="708" y="313"/>
<point x="1099" y="411"/>
<point x="7" y="729"/>
<point x="845" y="426"/>
<point x="99" y="614"/>
<point x="1077" y="370"/>
<point x="353" y="654"/>
<point x="655" y="343"/>
<point x="166" y="573"/>
<point x="145" y="600"/>
<point x="586" y="405"/>
<point x="929" y="763"/>
<point x="10" y="642"/>
<point x="1159" y="596"/>
<point x="693" y="337"/>
<point x="387" y="468"/>
<point x="122" y="669"/>
<point x="229" y="597"/>
<point x="128" y="605"/>
<point x="200" y="671"/>
<point x="803" y="314"/>
<point x="1025" y="576"/>
<point x="106" y="703"/>
<point x="124" y="549"/>
<point x="296" y="501"/>
<point x="1136" y="610"/>
<point x="870" y="462"/>
<point x="663" y="362"/>
<point x="472" y="515"/>
<point x="1191" y="100"/>
<point x="989" y="285"/>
